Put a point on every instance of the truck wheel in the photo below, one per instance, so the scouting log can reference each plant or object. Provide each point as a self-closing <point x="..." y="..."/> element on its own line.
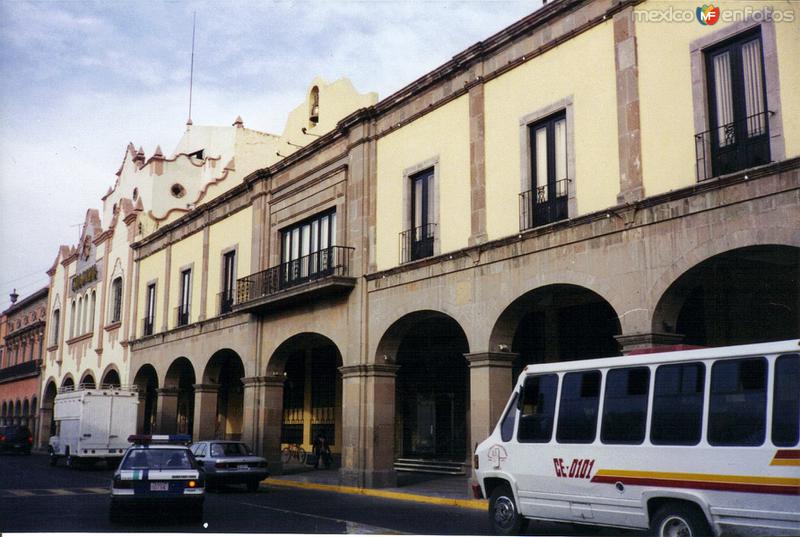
<point x="679" y="520"/>
<point x="504" y="518"/>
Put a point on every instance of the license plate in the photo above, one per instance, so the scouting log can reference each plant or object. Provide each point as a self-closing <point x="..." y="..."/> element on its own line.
<point x="159" y="486"/>
<point x="243" y="467"/>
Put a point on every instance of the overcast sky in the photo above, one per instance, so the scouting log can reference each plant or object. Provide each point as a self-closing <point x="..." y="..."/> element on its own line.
<point x="79" y="80"/>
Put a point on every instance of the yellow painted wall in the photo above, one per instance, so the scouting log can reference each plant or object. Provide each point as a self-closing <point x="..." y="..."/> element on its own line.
<point x="232" y="231"/>
<point x="185" y="252"/>
<point x="443" y="133"/>
<point x="665" y="89"/>
<point x="582" y="68"/>
<point x="151" y="268"/>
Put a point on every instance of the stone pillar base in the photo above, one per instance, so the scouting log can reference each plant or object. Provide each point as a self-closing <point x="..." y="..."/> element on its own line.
<point x="371" y="479"/>
<point x="650" y="342"/>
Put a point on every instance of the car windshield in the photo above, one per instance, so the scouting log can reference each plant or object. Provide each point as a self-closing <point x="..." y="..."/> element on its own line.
<point x="142" y="459"/>
<point x="229" y="450"/>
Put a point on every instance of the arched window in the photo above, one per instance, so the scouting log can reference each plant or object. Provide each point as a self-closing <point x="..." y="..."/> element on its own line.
<point x="85" y="316"/>
<point x="91" y="312"/>
<point x="78" y="327"/>
<point x="313" y="107"/>
<point x="116" y="300"/>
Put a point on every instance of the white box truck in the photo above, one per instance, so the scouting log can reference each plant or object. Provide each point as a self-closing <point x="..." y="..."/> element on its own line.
<point x="93" y="424"/>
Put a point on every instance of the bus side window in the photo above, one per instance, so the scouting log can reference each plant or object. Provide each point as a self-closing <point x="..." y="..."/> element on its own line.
<point x="786" y="401"/>
<point x="577" y="417"/>
<point x="738" y="402"/>
<point x="538" y="409"/>
<point x="507" y="425"/>
<point x="678" y="405"/>
<point x="625" y="406"/>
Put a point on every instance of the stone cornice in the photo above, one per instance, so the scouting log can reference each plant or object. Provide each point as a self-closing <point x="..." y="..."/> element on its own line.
<point x="369" y="370"/>
<point x="491" y="359"/>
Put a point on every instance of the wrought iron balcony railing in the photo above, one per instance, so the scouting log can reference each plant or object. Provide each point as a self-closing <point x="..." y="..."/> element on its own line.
<point x="182" y="315"/>
<point x="25" y="368"/>
<point x="417" y="243"/>
<point x="225" y="301"/>
<point x="539" y="207"/>
<point x="332" y="261"/>
<point x="147" y="326"/>
<point x="733" y="147"/>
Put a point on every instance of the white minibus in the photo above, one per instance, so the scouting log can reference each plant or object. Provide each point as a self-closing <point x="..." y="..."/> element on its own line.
<point x="686" y="443"/>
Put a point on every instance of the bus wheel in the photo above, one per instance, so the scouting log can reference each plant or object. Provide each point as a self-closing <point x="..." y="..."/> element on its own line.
<point x="680" y="520"/>
<point x="504" y="518"/>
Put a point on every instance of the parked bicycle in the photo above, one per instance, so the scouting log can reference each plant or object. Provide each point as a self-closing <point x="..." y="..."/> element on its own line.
<point x="293" y="452"/>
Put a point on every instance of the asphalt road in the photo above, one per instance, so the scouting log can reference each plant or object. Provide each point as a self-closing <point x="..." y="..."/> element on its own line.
<point x="35" y="497"/>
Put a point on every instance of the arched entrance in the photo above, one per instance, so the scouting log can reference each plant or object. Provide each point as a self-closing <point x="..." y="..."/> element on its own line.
<point x="746" y="295"/>
<point x="556" y="323"/>
<point x="87" y="381"/>
<point x="146" y="381"/>
<point x="432" y="387"/>
<point x="111" y="378"/>
<point x="47" y="426"/>
<point x="224" y="395"/>
<point x="312" y="390"/>
<point x="176" y="406"/>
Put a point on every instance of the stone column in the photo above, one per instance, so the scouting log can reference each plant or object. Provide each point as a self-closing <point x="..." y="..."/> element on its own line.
<point x="45" y="419"/>
<point x="272" y="408"/>
<point x="368" y="415"/>
<point x="490" y="384"/>
<point x="251" y="413"/>
<point x="205" y="411"/>
<point x="650" y="342"/>
<point x="167" y="416"/>
<point x="477" y="170"/>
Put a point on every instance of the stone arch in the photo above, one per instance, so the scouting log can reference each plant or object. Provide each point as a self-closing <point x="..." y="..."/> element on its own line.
<point x="87" y="379"/>
<point x="146" y="382"/>
<point x="68" y="383"/>
<point x="221" y="397"/>
<point x="556" y="322"/>
<point x="179" y="382"/>
<point x="111" y="376"/>
<point x="17" y="410"/>
<point x="310" y="391"/>
<point x="743" y="295"/>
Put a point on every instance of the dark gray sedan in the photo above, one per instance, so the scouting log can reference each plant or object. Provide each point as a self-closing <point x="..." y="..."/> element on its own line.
<point x="228" y="462"/>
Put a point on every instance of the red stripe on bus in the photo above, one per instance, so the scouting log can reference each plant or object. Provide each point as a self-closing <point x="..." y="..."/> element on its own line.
<point x="788" y="454"/>
<point x="705" y="485"/>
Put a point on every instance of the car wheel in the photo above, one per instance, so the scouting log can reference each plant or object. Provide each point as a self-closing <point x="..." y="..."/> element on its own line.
<point x="504" y="518"/>
<point x="679" y="520"/>
<point x="252" y="486"/>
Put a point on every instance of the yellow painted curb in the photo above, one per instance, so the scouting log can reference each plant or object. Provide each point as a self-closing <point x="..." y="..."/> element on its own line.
<point x="392" y="495"/>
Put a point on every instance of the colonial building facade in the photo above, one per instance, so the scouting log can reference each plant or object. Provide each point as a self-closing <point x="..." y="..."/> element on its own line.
<point x="598" y="178"/>
<point x="22" y="340"/>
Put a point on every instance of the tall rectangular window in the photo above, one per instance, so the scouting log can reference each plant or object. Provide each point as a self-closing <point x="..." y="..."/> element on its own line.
<point x="577" y="415"/>
<point x="185" y="297"/>
<point x="116" y="300"/>
<point x="738" y="402"/>
<point x="150" y="310"/>
<point x="54" y="330"/>
<point x="421" y="236"/>
<point x="307" y="249"/>
<point x="739" y="135"/>
<point x="678" y="405"/>
<point x="228" y="281"/>
<point x="546" y="202"/>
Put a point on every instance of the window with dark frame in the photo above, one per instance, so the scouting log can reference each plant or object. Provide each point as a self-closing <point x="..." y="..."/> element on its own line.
<point x="186" y="294"/>
<point x="116" y="300"/>
<point x="150" y="310"/>
<point x="510" y="419"/>
<point x="228" y="281"/>
<point x="577" y="410"/>
<point x="677" y="416"/>
<point x="537" y="409"/>
<point x="738" y="402"/>
<point x="423" y="227"/>
<point x="546" y="201"/>
<point x="786" y="401"/>
<point x="307" y="249"/>
<point x="625" y="406"/>
<point x="737" y="105"/>
<point x="54" y="332"/>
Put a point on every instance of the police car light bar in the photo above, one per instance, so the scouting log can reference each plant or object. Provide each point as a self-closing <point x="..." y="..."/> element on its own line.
<point x="159" y="438"/>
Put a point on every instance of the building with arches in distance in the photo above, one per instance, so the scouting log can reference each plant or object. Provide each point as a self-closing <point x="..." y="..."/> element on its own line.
<point x="22" y="340"/>
<point x="591" y="181"/>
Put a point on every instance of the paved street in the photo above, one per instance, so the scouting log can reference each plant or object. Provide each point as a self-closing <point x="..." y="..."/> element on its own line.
<point x="34" y="497"/>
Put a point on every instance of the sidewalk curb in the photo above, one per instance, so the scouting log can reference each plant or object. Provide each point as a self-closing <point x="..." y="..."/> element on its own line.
<point x="378" y="493"/>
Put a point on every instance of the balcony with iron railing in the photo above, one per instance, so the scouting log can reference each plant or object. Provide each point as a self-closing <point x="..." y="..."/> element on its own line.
<point x="182" y="315"/>
<point x="24" y="369"/>
<point x="539" y="207"/>
<point x="733" y="147"/>
<point x="147" y="326"/>
<point x="320" y="273"/>
<point x="417" y="243"/>
<point x="225" y="301"/>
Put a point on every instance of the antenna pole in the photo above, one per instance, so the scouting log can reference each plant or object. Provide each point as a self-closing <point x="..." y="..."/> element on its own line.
<point x="191" y="67"/>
